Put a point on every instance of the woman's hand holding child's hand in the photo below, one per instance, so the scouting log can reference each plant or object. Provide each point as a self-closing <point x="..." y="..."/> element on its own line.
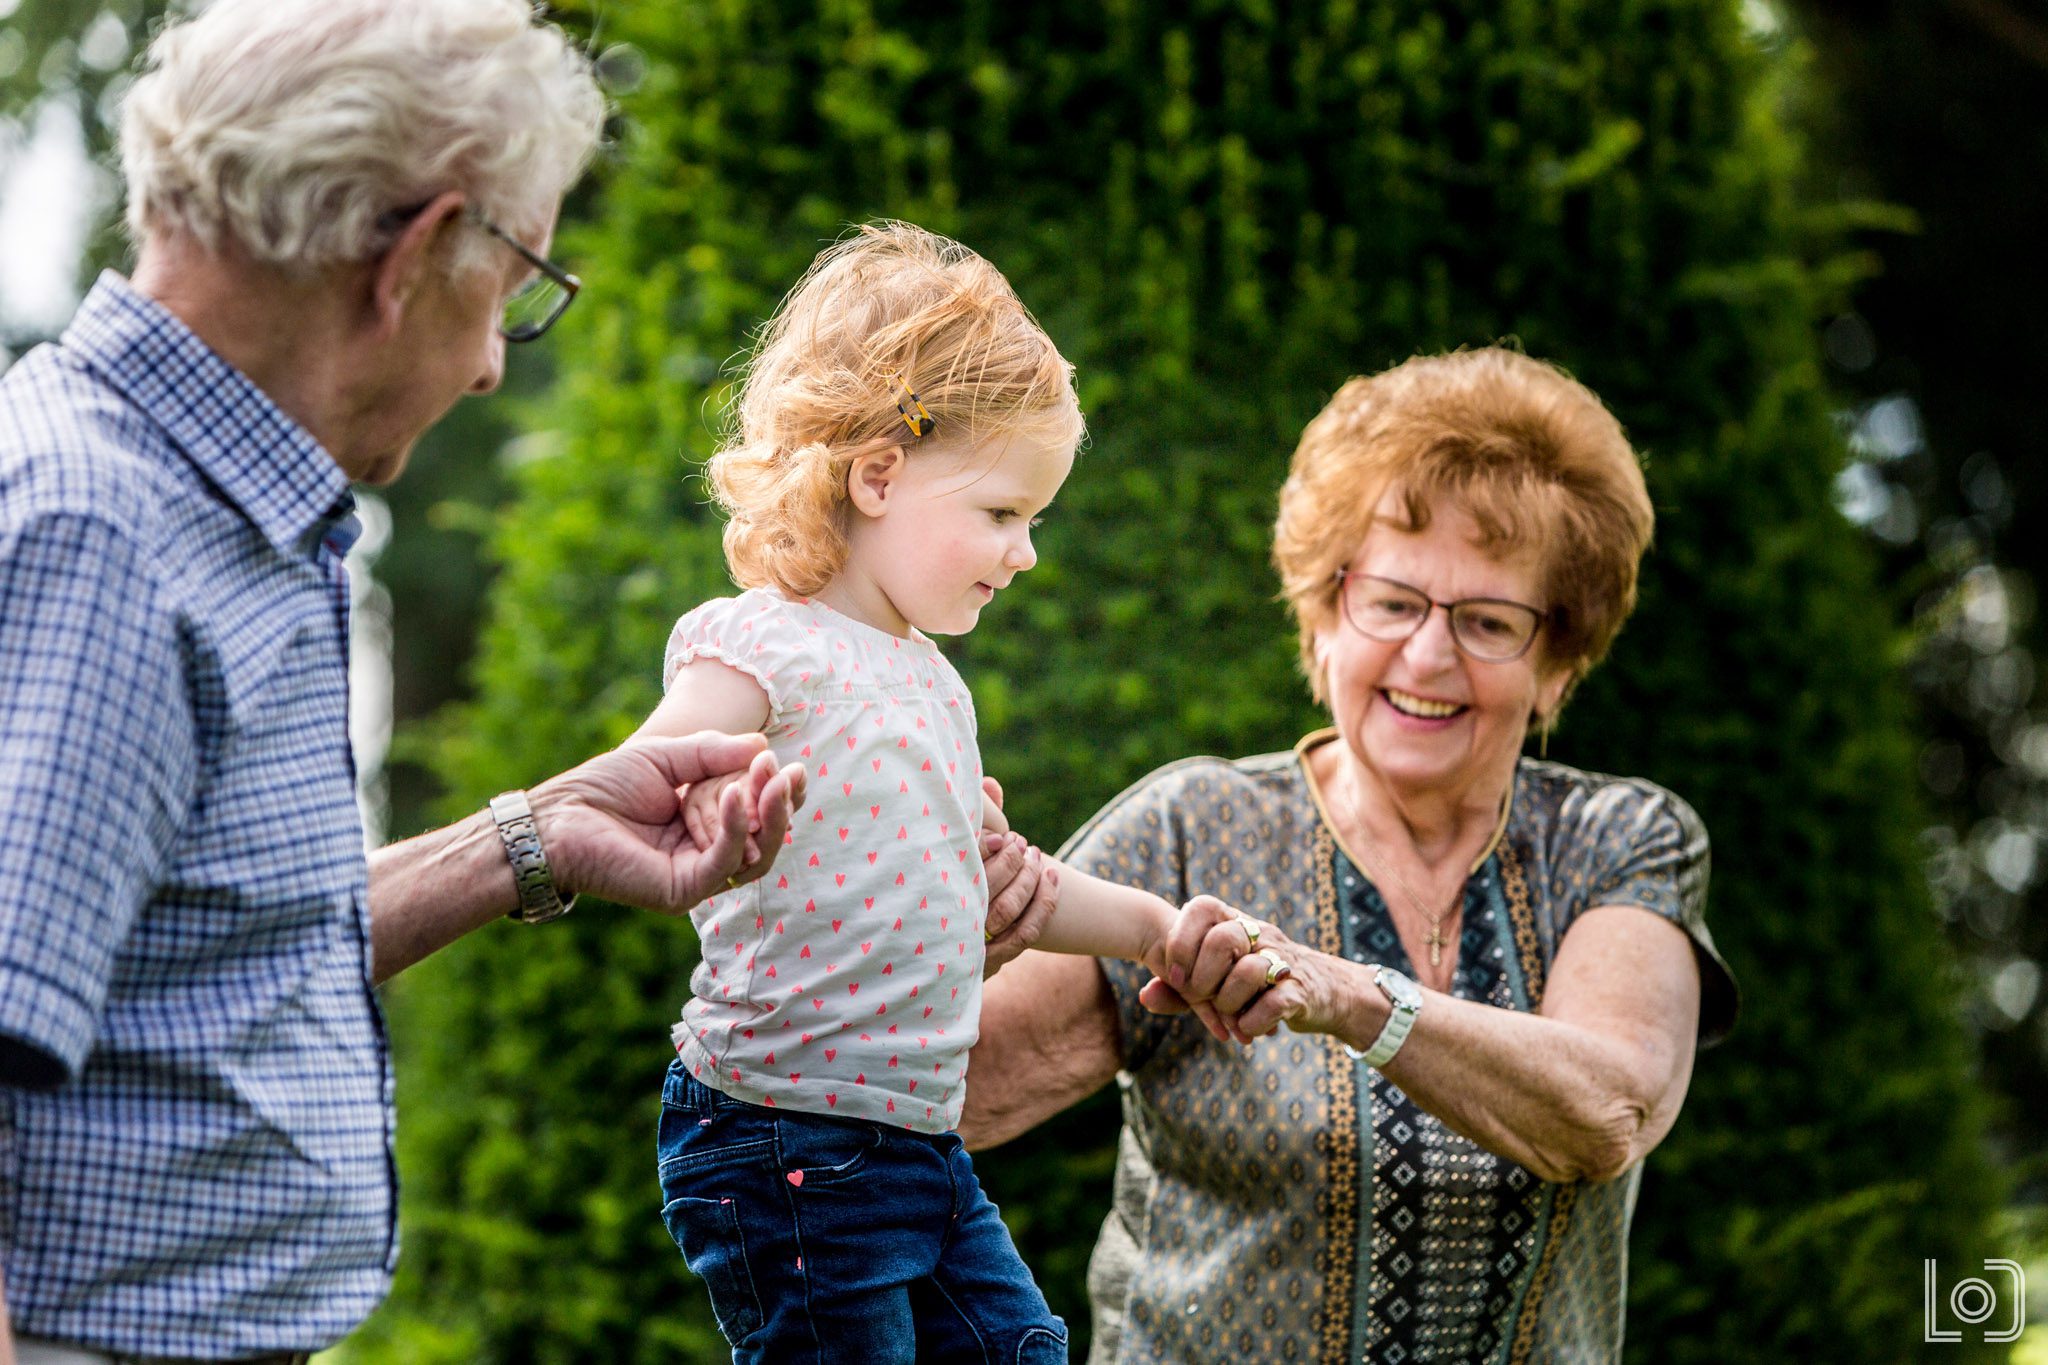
<point x="1200" y="968"/>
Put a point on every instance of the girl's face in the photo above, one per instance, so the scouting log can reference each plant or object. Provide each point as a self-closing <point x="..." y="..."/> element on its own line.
<point x="936" y="536"/>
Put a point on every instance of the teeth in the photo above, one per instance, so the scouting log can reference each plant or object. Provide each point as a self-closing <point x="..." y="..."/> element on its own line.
<point x="1417" y="706"/>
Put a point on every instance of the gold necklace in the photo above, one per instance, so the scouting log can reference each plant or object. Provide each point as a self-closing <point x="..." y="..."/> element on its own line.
<point x="1436" y="939"/>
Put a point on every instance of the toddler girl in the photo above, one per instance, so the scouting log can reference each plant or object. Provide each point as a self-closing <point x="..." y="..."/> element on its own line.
<point x="899" y="430"/>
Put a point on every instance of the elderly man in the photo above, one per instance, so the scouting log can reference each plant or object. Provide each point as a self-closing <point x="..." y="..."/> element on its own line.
<point x="343" y="209"/>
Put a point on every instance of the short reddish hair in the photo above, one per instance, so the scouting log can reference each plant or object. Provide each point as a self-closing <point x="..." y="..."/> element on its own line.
<point x="1529" y="452"/>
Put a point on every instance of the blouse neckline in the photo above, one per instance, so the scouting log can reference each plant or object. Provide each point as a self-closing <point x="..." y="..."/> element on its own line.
<point x="1315" y="739"/>
<point x="916" y="638"/>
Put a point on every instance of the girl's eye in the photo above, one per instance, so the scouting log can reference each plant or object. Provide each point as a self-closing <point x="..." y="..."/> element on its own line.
<point x="1001" y="514"/>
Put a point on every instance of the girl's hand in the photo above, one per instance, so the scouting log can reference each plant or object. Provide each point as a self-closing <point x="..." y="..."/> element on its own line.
<point x="612" y="827"/>
<point x="992" y="817"/>
<point x="702" y="802"/>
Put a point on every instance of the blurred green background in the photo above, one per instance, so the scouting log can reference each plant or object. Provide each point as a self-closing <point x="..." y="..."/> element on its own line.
<point x="1791" y="245"/>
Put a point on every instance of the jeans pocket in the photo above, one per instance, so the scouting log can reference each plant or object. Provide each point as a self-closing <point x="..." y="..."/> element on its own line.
<point x="1041" y="1346"/>
<point x="708" y="1231"/>
<point x="827" y="1151"/>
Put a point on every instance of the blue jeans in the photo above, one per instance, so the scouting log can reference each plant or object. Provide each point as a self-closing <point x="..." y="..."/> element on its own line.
<point x="827" y="1239"/>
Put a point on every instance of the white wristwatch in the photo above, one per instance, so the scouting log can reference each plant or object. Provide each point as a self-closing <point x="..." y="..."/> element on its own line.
<point x="1406" y="998"/>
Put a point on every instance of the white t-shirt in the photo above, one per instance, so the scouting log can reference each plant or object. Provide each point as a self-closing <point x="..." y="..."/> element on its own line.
<point x="848" y="980"/>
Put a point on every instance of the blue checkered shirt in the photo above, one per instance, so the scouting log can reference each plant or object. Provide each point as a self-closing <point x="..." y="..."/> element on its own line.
<point x="195" y="1125"/>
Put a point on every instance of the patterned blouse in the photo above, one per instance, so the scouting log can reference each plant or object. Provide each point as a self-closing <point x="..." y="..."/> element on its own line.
<point x="1285" y="1202"/>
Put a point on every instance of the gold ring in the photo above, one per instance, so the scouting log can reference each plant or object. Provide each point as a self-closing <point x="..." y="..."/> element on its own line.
<point x="732" y="883"/>
<point x="1277" y="967"/>
<point x="1251" y="933"/>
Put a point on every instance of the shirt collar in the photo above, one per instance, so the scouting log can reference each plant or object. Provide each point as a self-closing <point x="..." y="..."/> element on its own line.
<point x="263" y="462"/>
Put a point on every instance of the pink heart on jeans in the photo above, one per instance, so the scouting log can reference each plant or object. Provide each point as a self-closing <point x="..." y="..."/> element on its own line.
<point x="795" y="1178"/>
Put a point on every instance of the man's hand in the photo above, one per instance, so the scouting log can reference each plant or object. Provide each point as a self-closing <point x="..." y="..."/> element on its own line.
<point x="615" y="826"/>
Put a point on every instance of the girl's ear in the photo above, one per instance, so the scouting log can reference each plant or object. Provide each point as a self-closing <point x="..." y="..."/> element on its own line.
<point x="871" y="479"/>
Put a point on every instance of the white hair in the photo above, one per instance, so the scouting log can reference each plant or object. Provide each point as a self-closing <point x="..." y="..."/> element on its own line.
<point x="291" y="127"/>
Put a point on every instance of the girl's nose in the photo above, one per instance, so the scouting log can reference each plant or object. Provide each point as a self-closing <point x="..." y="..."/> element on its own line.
<point x="1021" y="556"/>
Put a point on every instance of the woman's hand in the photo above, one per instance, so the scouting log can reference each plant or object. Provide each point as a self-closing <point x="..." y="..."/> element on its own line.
<point x="1242" y="994"/>
<point x="1206" y="942"/>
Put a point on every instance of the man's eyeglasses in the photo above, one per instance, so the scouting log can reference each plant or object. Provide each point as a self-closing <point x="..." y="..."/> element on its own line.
<point x="1489" y="629"/>
<point x="538" y="303"/>
<point x="541" y="300"/>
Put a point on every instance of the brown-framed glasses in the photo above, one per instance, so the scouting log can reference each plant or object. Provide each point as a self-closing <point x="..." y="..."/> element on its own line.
<point x="1490" y="629"/>
<point x="536" y="305"/>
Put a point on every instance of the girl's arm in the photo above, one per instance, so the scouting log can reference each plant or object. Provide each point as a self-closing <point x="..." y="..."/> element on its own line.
<point x="1096" y="918"/>
<point x="706" y="694"/>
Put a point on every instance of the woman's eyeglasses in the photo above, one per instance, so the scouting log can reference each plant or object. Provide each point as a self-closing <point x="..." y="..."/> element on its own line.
<point x="1490" y="629"/>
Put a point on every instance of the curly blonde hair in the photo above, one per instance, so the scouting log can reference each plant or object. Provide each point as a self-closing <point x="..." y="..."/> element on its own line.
<point x="890" y="306"/>
<point x="1529" y="452"/>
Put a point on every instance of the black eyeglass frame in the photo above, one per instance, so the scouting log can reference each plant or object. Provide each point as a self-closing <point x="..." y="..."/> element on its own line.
<point x="569" y="283"/>
<point x="1344" y="577"/>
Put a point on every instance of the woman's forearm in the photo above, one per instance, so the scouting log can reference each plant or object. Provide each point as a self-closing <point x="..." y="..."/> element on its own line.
<point x="1558" y="1099"/>
<point x="1049" y="1039"/>
<point x="1580" y="1091"/>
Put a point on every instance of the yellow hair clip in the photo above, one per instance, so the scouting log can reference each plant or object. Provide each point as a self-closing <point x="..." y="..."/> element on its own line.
<point x="921" y="423"/>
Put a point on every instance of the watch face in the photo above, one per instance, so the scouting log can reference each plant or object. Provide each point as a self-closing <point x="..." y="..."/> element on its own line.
<point x="1399" y="988"/>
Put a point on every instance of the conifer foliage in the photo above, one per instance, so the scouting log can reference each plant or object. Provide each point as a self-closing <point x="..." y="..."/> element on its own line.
<point x="1220" y="211"/>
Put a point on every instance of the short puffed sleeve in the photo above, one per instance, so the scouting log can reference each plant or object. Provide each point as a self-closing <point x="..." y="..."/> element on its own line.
<point x="760" y="633"/>
<point x="1634" y="843"/>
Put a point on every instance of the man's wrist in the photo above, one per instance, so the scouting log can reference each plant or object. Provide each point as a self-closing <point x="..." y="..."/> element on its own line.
<point x="539" y="899"/>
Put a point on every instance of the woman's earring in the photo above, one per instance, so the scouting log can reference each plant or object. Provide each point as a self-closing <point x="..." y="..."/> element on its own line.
<point x="1543" y="738"/>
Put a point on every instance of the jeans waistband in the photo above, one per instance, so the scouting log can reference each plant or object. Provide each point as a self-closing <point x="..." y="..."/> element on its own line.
<point x="684" y="1091"/>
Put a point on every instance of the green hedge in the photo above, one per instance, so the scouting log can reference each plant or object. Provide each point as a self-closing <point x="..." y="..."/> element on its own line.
<point x="1221" y="210"/>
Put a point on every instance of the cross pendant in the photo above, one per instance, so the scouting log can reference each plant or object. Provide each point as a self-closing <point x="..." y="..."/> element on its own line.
<point x="1436" y="945"/>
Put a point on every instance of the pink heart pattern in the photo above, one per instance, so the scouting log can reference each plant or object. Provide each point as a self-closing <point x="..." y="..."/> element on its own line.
<point x="892" y="726"/>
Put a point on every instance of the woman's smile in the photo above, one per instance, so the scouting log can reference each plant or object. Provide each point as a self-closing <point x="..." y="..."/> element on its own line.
<point x="1434" y="714"/>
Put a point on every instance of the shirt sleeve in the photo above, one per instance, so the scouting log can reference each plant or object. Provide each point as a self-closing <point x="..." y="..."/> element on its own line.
<point x="1134" y="841"/>
<point x="1647" y="848"/>
<point x="98" y="766"/>
<point x="758" y="634"/>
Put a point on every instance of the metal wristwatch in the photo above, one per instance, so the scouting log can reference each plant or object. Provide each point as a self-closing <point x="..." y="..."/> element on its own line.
<point x="1406" y="998"/>
<point x="538" y="900"/>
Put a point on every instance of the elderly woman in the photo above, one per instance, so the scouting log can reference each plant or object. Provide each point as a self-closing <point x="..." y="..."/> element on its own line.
<point x="1494" y="969"/>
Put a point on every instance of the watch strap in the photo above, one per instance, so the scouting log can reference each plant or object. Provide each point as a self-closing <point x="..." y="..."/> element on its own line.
<point x="539" y="902"/>
<point x="1393" y="1033"/>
